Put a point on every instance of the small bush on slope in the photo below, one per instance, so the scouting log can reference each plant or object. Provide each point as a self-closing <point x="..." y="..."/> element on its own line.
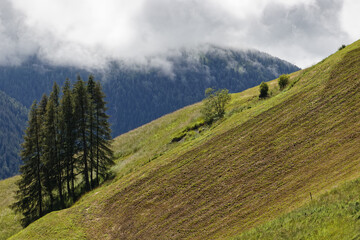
<point x="283" y="81"/>
<point x="263" y="89"/>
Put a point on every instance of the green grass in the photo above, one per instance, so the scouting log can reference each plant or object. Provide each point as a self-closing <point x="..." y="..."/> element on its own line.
<point x="333" y="215"/>
<point x="9" y="220"/>
<point x="59" y="224"/>
<point x="258" y="163"/>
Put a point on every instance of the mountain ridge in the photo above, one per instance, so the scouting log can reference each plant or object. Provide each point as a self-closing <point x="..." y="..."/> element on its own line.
<point x="142" y="93"/>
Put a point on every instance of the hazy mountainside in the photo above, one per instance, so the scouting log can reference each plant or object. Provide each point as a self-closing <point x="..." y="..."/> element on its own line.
<point x="13" y="116"/>
<point x="261" y="161"/>
<point x="138" y="94"/>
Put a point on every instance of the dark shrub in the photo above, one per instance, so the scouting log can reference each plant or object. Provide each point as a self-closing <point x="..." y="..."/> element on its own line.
<point x="264" y="89"/>
<point x="283" y="81"/>
<point x="342" y="47"/>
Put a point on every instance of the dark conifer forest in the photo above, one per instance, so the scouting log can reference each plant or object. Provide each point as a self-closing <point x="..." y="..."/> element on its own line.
<point x="66" y="148"/>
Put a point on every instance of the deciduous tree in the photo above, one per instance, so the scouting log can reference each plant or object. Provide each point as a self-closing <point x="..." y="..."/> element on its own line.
<point x="214" y="104"/>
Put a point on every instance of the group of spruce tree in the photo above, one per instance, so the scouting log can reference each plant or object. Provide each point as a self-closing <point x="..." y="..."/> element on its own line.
<point x="66" y="149"/>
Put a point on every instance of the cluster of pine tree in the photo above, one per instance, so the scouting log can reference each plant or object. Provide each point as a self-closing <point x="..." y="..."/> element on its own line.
<point x="66" y="149"/>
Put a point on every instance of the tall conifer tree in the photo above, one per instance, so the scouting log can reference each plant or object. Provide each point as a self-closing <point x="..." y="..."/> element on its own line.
<point x="51" y="128"/>
<point x="81" y="117"/>
<point x="30" y="195"/>
<point x="104" y="155"/>
<point x="92" y="125"/>
<point x="67" y="123"/>
<point x="47" y="173"/>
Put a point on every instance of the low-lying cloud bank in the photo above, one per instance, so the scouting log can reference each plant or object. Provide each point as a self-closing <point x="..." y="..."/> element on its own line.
<point x="89" y="33"/>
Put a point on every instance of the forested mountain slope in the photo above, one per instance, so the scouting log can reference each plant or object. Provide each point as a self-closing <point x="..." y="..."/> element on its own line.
<point x="13" y="116"/>
<point x="262" y="160"/>
<point x="138" y="96"/>
<point x="139" y="93"/>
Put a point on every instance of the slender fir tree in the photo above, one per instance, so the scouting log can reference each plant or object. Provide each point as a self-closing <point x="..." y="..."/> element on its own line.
<point x="30" y="194"/>
<point x="81" y="125"/>
<point x="67" y="126"/>
<point x="92" y="126"/>
<point x="104" y="154"/>
<point x="46" y="171"/>
<point x="53" y="162"/>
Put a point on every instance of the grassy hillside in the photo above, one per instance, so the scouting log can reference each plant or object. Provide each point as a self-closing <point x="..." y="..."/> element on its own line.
<point x="9" y="221"/>
<point x="333" y="215"/>
<point x="261" y="161"/>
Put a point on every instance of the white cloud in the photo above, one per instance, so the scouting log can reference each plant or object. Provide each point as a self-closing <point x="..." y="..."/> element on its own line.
<point x="350" y="18"/>
<point x="88" y="33"/>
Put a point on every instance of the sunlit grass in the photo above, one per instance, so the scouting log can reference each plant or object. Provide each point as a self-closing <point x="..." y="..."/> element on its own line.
<point x="9" y="220"/>
<point x="333" y="215"/>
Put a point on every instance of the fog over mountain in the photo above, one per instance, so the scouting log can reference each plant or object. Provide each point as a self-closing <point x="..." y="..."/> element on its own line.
<point x="89" y="33"/>
<point x="137" y="93"/>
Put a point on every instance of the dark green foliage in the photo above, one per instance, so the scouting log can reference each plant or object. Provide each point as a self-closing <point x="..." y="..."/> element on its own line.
<point x="47" y="170"/>
<point x="264" y="90"/>
<point x="66" y="137"/>
<point x="342" y="47"/>
<point x="214" y="104"/>
<point x="81" y="99"/>
<point x="283" y="81"/>
<point x="91" y="125"/>
<point x="51" y="144"/>
<point x="103" y="156"/>
<point x="68" y="130"/>
<point x="29" y="197"/>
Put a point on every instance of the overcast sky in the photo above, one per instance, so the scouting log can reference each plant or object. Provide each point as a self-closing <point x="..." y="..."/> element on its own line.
<point x="88" y="33"/>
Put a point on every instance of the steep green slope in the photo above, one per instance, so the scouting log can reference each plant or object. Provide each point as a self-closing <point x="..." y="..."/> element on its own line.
<point x="9" y="221"/>
<point x="333" y="215"/>
<point x="261" y="161"/>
